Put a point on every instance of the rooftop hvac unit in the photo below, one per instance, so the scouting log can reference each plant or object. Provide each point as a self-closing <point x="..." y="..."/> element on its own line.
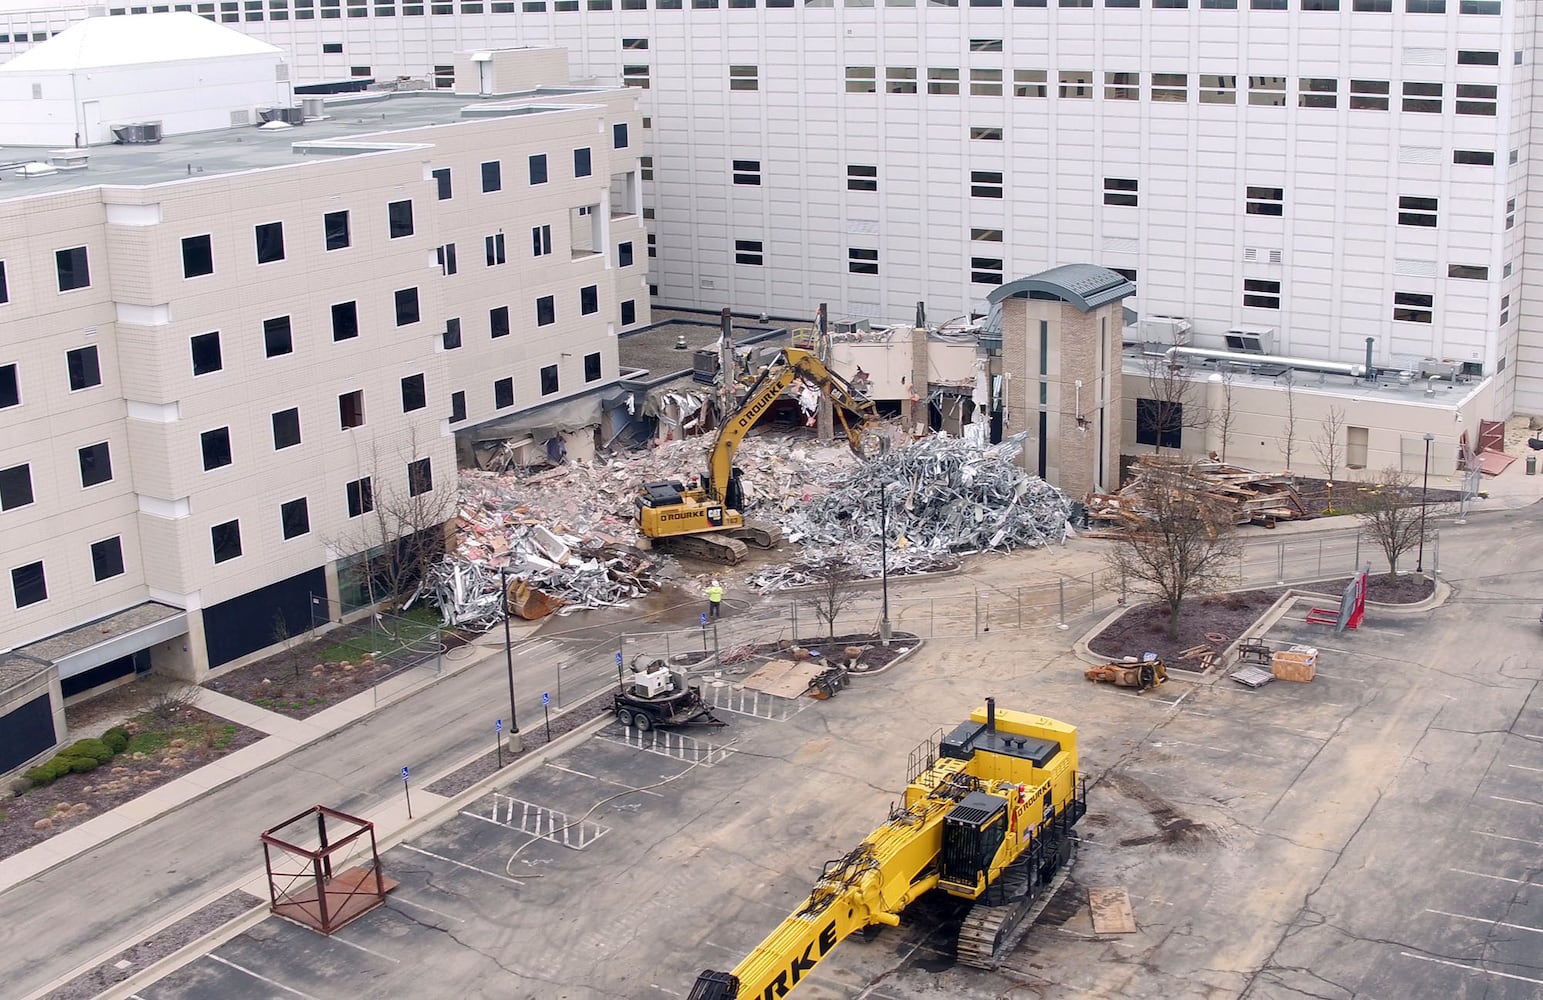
<point x="1251" y="340"/>
<point x="69" y="159"/>
<point x="1442" y="368"/>
<point x="137" y="133"/>
<point x="314" y="107"/>
<point x="850" y="326"/>
<point x="292" y="115"/>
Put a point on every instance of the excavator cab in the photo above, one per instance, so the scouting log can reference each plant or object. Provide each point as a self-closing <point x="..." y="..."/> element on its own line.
<point x="973" y="832"/>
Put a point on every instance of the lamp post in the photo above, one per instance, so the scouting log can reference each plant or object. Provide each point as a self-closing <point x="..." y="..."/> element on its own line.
<point x="514" y="721"/>
<point x="1419" y="560"/>
<point x="884" y="561"/>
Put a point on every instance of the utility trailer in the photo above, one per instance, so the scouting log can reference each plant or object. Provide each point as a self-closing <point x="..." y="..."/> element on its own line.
<point x="660" y="696"/>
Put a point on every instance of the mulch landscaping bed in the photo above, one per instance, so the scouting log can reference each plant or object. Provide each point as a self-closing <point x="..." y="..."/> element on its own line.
<point x="158" y="753"/>
<point x="872" y="657"/>
<point x="302" y="681"/>
<point x="1218" y="619"/>
<point x="1344" y="498"/>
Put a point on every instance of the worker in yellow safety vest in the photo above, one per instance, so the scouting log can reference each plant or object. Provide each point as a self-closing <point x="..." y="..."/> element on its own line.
<point x="714" y="598"/>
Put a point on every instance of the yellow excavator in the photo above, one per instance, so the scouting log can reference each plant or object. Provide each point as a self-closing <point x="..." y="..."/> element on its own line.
<point x="987" y="816"/>
<point x="704" y="521"/>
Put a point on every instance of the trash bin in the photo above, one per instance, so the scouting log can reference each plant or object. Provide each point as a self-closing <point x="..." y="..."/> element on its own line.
<point x="1532" y="465"/>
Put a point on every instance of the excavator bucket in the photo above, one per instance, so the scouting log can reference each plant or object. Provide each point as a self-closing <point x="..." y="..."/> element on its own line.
<point x="529" y="603"/>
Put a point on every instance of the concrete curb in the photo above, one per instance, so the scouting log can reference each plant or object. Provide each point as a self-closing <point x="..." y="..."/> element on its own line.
<point x="917" y="642"/>
<point x="199" y="947"/>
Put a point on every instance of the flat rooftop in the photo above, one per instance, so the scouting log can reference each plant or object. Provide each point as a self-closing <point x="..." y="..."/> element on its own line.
<point x="233" y="150"/>
<point x="652" y="349"/>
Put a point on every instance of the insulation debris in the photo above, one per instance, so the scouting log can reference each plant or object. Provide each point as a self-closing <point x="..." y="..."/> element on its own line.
<point x="945" y="498"/>
<point x="1249" y="496"/>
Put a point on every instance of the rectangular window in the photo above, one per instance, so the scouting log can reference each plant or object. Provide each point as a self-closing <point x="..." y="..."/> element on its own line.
<point x="744" y="78"/>
<point x="205" y="349"/>
<point x="85" y="371"/>
<point x="361" y="497"/>
<point x="749" y="252"/>
<point x="1029" y="83"/>
<point x="72" y="269"/>
<point x="1120" y="191"/>
<point x="634" y="43"/>
<point x="747" y="172"/>
<point x="1159" y="423"/>
<point x="985" y="45"/>
<point x="861" y="261"/>
<point x="653" y="246"/>
<point x="1265" y="201"/>
<point x="406" y="306"/>
<point x="986" y="132"/>
<point x="541" y="240"/>
<point x="493" y="248"/>
<point x="295" y="517"/>
<point x="1320" y="5"/>
<point x="1410" y="307"/>
<point x="277" y="337"/>
<point x="503" y="393"/>
<point x="986" y="270"/>
<point x="498" y="322"/>
<point x="1218" y="88"/>
<point x="1076" y="84"/>
<point x="1259" y="293"/>
<point x="624" y="254"/>
<point x="1267" y="4"/>
<point x="1468" y="57"/>
<point x="985" y="184"/>
<point x="646" y="167"/>
<point x="1473" y="157"/>
<point x="451" y="338"/>
<point x="96" y="466"/>
<point x="336" y="226"/>
<point x="548" y="379"/>
<point x="457" y="406"/>
<point x="942" y="80"/>
<point x="985" y="82"/>
<point x="862" y="80"/>
<point x="286" y="428"/>
<point x="1476" y="99"/>
<point x="900" y="80"/>
<point x="1417" y="212"/>
<point x="270" y="242"/>
<point x="400" y="216"/>
<point x="197" y="256"/>
<point x="445" y="255"/>
<point x="420" y="477"/>
<point x="1425" y="6"/>
<point x="581" y="162"/>
<point x="1373" y="6"/>
<point x="546" y="310"/>
<point x="592" y="367"/>
<point x="619" y="135"/>
<point x="629" y="312"/>
<point x="15" y="487"/>
<point x="1510" y="212"/>
<point x="986" y="235"/>
<point x="5" y="291"/>
<point x="1369" y="95"/>
<point x="635" y="75"/>
<point x="538" y="168"/>
<point x="1422" y="98"/>
<point x="492" y="177"/>
<point x="351" y="409"/>
<point x="414" y="393"/>
<point x="1170" y="87"/>
<point x="1122" y="86"/>
<point x="345" y="321"/>
<point x="862" y="178"/>
<point x="1317" y="92"/>
<point x="215" y="446"/>
<point x="107" y="558"/>
<point x="1267" y="91"/>
<point x="1479" y="7"/>
<point x="28" y="585"/>
<point x="442" y="183"/>
<point x="10" y="387"/>
<point x="589" y="300"/>
<point x="1472" y="272"/>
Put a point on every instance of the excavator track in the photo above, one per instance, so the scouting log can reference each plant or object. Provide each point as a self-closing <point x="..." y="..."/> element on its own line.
<point x="990" y="932"/>
<point x="714" y="547"/>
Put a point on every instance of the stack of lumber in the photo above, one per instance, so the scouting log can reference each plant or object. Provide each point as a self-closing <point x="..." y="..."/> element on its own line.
<point x="1250" y="497"/>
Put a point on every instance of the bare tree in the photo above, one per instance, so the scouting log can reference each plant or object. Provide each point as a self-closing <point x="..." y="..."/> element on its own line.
<point x="291" y="647"/>
<point x="1185" y="545"/>
<point x="833" y="589"/>
<point x="1288" y="437"/>
<point x="1391" y="516"/>
<point x="1327" y="446"/>
<point x="401" y="531"/>
<point x="1225" y="419"/>
<point x="1169" y="406"/>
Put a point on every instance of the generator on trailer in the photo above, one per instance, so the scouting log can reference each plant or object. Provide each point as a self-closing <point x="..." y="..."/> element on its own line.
<point x="660" y="696"/>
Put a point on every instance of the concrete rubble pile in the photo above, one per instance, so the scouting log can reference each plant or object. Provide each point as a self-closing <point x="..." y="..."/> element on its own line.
<point x="1245" y="496"/>
<point x="946" y="498"/>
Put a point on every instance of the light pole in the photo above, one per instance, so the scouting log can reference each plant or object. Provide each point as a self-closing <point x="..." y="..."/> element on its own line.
<point x="514" y="721"/>
<point x="884" y="561"/>
<point x="1419" y="560"/>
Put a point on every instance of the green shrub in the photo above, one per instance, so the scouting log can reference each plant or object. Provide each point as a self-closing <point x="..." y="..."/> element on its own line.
<point x="49" y="771"/>
<point x="80" y="764"/>
<point x="97" y="750"/>
<point x="117" y="738"/>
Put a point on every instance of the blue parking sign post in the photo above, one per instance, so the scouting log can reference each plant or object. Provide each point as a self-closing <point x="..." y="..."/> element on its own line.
<point x="546" y="700"/>
<point x="407" y="793"/>
<point x="498" y="740"/>
<point x="704" y="631"/>
<point x="618" y="667"/>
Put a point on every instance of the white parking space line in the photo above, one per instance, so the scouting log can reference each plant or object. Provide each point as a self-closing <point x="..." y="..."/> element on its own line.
<point x="1486" y="920"/>
<point x="1520" y="802"/>
<point x="1524" y="767"/>
<point x="420" y="906"/>
<point x="367" y="951"/>
<point x="1470" y="968"/>
<point x="596" y="777"/>
<point x="1501" y="836"/>
<point x="461" y="864"/>
<point x="1497" y="878"/>
<point x="1340" y="677"/>
<point x="260" y="978"/>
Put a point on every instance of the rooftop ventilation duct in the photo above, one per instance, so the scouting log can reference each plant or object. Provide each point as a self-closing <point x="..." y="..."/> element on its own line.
<point x="137" y="133"/>
<point x="1173" y="354"/>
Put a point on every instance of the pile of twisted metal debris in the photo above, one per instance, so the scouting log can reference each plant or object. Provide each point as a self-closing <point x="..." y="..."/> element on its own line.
<point x="1246" y="496"/>
<point x="942" y="498"/>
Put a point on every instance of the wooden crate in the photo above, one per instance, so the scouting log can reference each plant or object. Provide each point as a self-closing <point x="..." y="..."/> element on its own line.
<point x="1288" y="665"/>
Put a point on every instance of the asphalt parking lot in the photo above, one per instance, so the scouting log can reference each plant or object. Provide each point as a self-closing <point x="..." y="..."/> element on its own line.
<point x="1374" y="833"/>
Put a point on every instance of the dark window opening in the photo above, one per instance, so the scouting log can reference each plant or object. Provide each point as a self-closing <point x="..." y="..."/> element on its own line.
<point x="286" y="428"/>
<point x="414" y="393"/>
<point x="295" y="516"/>
<point x="548" y="380"/>
<point x="1159" y="423"/>
<point x="85" y="371"/>
<point x="216" y="448"/>
<point x="351" y="409"/>
<point x="107" y="558"/>
<point x="225" y="539"/>
<point x="278" y="338"/>
<point x="270" y="242"/>
<point x="96" y="466"/>
<point x="197" y="256"/>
